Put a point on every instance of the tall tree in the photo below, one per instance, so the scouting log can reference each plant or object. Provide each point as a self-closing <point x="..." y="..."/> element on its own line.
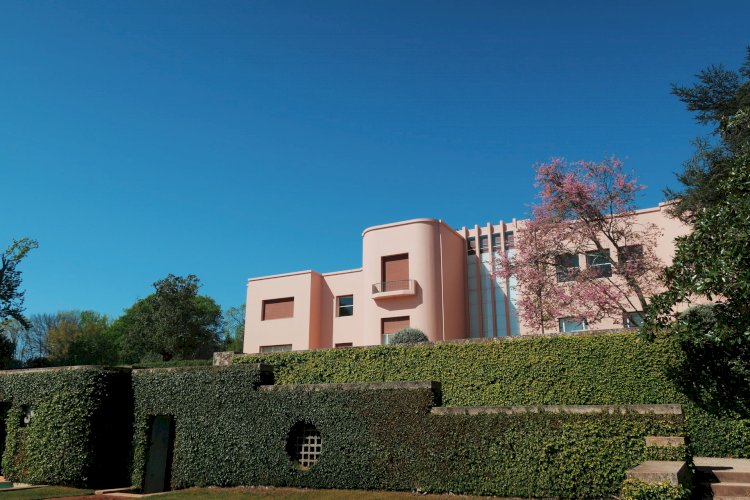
<point x="716" y="98"/>
<point x="712" y="264"/>
<point x="11" y="295"/>
<point x="172" y="322"/>
<point x="82" y="338"/>
<point x="234" y="328"/>
<point x="586" y="210"/>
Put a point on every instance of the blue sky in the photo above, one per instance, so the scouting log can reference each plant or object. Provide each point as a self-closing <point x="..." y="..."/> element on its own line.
<point x="236" y="139"/>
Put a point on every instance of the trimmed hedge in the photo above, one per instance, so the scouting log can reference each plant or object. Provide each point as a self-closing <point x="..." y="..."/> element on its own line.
<point x="635" y="489"/>
<point x="229" y="432"/>
<point x="80" y="431"/>
<point x="614" y="368"/>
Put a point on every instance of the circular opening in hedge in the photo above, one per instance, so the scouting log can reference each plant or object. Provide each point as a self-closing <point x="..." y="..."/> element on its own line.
<point x="304" y="444"/>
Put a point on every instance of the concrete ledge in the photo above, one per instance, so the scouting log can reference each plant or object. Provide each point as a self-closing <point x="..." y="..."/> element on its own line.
<point x="657" y="471"/>
<point x="101" y="368"/>
<point x="365" y="386"/>
<point x="573" y="409"/>
<point x="258" y="366"/>
<point x="665" y="441"/>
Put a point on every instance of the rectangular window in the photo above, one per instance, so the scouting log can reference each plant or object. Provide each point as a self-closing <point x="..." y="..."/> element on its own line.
<point x="632" y="319"/>
<point x="510" y="241"/>
<point x="343" y="345"/>
<point x="345" y="305"/>
<point x="389" y="326"/>
<point x="267" y="349"/>
<point x="483" y="244"/>
<point x="572" y="325"/>
<point x="566" y="267"/>
<point x="278" y="308"/>
<point x="599" y="263"/>
<point x="630" y="256"/>
<point x="395" y="272"/>
<point x="471" y="245"/>
<point x="496" y="242"/>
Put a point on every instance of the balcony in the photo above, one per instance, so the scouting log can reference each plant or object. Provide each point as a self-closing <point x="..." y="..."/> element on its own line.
<point x="389" y="289"/>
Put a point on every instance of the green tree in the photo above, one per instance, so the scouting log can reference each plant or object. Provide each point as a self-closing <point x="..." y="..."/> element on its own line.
<point x="82" y="338"/>
<point x="713" y="263"/>
<point x="234" y="329"/>
<point x="174" y="322"/>
<point x="718" y="96"/>
<point x="11" y="295"/>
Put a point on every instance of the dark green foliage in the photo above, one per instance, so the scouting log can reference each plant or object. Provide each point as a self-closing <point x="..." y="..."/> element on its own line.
<point x="718" y="99"/>
<point x="597" y="369"/>
<point x="79" y="432"/>
<point x="11" y="295"/>
<point x="228" y="433"/>
<point x="409" y="336"/>
<point x="172" y="322"/>
<point x="712" y="372"/>
<point x="213" y="408"/>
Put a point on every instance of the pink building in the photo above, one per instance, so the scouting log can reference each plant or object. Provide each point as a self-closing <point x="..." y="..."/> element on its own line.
<point x="419" y="273"/>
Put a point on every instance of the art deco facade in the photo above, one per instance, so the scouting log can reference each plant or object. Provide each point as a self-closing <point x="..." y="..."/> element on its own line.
<point x="420" y="273"/>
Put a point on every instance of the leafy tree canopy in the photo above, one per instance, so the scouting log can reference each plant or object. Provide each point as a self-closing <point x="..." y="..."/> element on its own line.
<point x="716" y="98"/>
<point x="713" y="262"/>
<point x="11" y="295"/>
<point x="174" y="322"/>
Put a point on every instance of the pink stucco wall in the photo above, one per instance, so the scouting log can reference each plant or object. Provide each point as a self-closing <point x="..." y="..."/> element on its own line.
<point x="342" y="329"/>
<point x="295" y="330"/>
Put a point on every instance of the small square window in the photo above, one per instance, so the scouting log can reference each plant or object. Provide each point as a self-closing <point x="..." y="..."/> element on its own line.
<point x="345" y="305"/>
<point x="599" y="263"/>
<point x="632" y="319"/>
<point x="566" y="267"/>
<point x="572" y="325"/>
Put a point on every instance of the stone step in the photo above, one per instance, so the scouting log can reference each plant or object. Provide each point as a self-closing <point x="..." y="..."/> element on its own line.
<point x="721" y="474"/>
<point x="741" y="490"/>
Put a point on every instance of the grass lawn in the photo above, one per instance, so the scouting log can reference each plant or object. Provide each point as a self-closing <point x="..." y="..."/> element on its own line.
<point x="290" y="494"/>
<point x="46" y="492"/>
<point x="230" y="494"/>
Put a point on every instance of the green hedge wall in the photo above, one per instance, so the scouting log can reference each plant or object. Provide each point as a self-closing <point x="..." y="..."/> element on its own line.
<point x="228" y="432"/>
<point x="80" y="432"/>
<point x="582" y="369"/>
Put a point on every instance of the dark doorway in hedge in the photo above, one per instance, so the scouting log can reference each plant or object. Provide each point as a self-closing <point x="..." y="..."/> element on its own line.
<point x="304" y="445"/>
<point x="159" y="459"/>
<point x="4" y="407"/>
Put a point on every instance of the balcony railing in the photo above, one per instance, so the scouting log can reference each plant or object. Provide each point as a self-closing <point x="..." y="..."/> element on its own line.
<point x="393" y="288"/>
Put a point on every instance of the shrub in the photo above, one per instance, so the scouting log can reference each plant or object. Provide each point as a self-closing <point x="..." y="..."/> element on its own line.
<point x="614" y="368"/>
<point x="635" y="489"/>
<point x="79" y="433"/>
<point x="409" y="336"/>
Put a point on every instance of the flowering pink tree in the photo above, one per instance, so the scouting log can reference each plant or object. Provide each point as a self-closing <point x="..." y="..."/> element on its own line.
<point x="586" y="213"/>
